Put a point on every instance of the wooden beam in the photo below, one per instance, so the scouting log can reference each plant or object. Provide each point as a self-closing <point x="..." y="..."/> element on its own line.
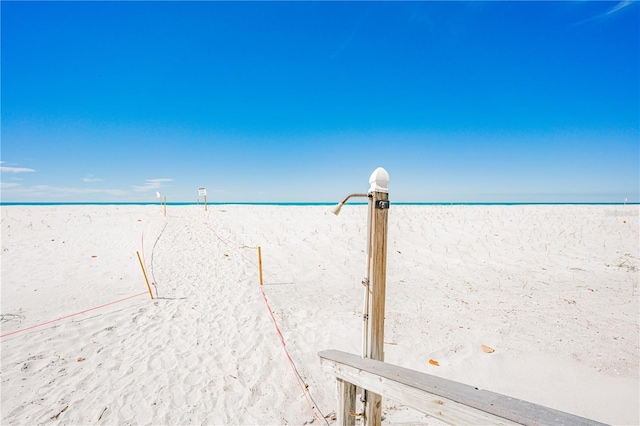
<point x="446" y="400"/>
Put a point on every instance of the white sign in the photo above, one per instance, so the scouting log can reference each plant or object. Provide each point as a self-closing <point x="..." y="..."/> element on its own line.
<point x="158" y="194"/>
<point x="202" y="192"/>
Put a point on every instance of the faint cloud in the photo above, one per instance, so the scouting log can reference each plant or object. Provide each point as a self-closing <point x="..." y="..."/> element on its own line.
<point x="618" y="7"/>
<point x="5" y="169"/>
<point x="347" y="41"/>
<point x="49" y="191"/>
<point x="151" y="184"/>
<point x="91" y="178"/>
<point x="8" y="185"/>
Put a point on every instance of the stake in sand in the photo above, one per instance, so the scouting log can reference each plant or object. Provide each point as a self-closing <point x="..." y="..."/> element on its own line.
<point x="260" y="263"/>
<point x="145" y="275"/>
<point x="202" y="192"/>
<point x="159" y="197"/>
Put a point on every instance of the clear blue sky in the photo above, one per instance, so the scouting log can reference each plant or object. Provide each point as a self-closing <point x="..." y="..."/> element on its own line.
<point x="301" y="101"/>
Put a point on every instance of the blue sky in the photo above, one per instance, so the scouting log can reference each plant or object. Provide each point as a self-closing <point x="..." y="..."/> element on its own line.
<point x="301" y="101"/>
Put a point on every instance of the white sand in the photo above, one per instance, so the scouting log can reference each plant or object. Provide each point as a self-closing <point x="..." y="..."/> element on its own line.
<point x="553" y="289"/>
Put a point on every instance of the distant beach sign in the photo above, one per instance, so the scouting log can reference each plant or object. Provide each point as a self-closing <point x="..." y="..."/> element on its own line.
<point x="158" y="194"/>
<point x="202" y="192"/>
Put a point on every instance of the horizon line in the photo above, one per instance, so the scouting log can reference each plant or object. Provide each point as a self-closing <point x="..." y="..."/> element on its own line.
<point x="311" y="203"/>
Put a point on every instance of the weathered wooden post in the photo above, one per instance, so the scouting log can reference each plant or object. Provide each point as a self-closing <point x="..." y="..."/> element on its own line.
<point x="379" y="194"/>
<point x="374" y="299"/>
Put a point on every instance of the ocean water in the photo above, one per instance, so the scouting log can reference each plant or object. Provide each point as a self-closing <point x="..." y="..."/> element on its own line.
<point x="143" y="203"/>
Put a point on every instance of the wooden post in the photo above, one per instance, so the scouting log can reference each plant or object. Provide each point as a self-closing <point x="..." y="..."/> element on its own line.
<point x="378" y="274"/>
<point x="202" y="192"/>
<point x="165" y="206"/>
<point x="260" y="263"/>
<point x="377" y="282"/>
<point x="375" y="288"/>
<point x="145" y="275"/>
<point x="347" y="403"/>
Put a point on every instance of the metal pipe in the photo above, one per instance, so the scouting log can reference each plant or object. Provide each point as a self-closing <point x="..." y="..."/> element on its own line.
<point x="336" y="209"/>
<point x="365" y="307"/>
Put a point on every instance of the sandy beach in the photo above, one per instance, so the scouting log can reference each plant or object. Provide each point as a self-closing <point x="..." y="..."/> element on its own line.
<point x="552" y="288"/>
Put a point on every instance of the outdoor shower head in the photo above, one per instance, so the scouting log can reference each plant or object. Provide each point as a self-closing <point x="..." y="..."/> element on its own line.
<point x="336" y="210"/>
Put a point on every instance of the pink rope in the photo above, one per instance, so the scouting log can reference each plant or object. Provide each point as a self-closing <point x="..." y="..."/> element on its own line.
<point x="72" y="315"/>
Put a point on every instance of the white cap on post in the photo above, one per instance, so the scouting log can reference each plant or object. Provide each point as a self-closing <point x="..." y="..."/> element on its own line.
<point x="379" y="181"/>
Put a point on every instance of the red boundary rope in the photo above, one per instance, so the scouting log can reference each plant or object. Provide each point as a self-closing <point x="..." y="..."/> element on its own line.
<point x="71" y="315"/>
<point x="303" y="386"/>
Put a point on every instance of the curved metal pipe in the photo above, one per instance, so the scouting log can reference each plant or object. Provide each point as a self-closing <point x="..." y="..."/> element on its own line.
<point x="336" y="209"/>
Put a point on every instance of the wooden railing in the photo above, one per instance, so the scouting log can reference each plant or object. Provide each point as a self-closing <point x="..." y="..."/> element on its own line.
<point x="446" y="400"/>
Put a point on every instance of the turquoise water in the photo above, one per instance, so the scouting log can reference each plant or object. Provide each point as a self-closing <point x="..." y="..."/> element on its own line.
<point x="295" y="204"/>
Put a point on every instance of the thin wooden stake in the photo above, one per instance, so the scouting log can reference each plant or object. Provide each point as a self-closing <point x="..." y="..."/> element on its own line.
<point x="58" y="415"/>
<point x="205" y="202"/>
<point x="145" y="275"/>
<point x="103" y="410"/>
<point x="260" y="263"/>
<point x="165" y="206"/>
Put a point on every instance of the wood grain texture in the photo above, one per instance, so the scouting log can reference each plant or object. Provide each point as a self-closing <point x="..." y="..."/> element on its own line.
<point x="449" y="401"/>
